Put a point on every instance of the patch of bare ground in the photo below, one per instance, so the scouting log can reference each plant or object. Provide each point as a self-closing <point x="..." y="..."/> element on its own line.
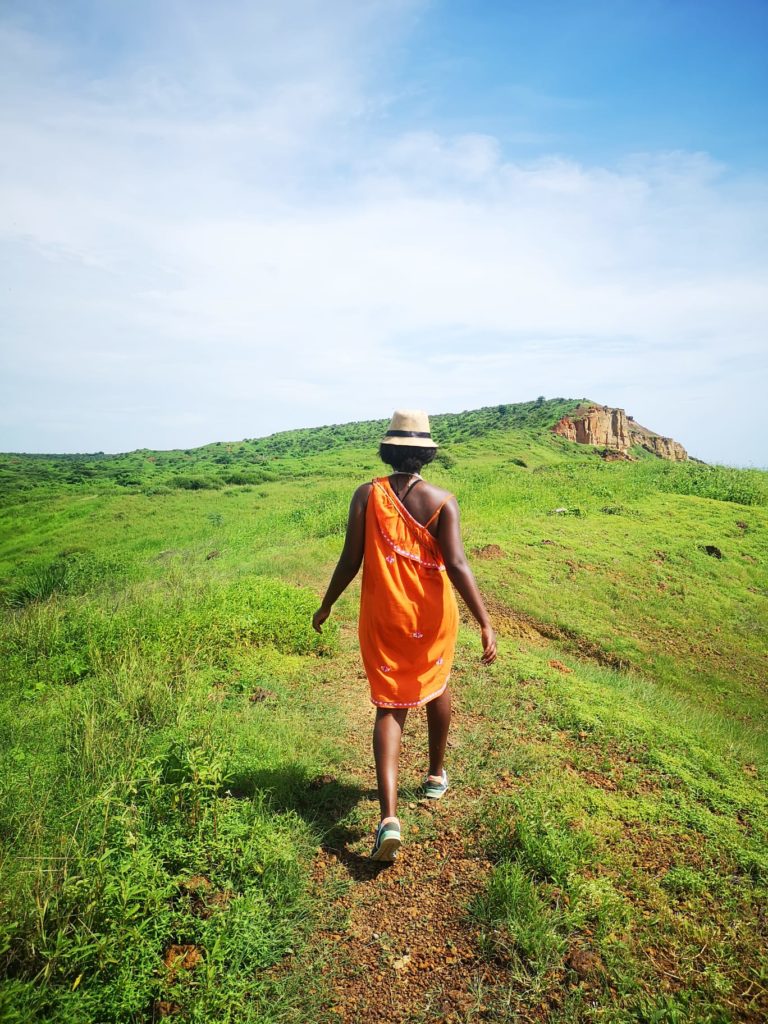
<point x="408" y="950"/>
<point x="643" y="781"/>
<point x="181" y="957"/>
<point x="510" y="622"/>
<point x="204" y="900"/>
<point x="653" y="852"/>
<point x="488" y="551"/>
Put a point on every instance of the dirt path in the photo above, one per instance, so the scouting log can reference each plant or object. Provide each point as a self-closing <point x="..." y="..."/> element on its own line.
<point x="407" y="950"/>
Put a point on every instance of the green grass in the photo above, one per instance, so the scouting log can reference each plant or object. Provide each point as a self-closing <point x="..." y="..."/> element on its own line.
<point x="135" y="760"/>
<point x="624" y="824"/>
<point x="165" y="705"/>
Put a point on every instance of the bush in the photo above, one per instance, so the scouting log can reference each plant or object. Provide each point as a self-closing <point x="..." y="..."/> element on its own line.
<point x="239" y="478"/>
<point x="71" y="572"/>
<point x="195" y="483"/>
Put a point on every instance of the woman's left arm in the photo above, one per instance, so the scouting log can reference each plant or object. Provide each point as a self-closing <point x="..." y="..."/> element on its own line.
<point x="351" y="556"/>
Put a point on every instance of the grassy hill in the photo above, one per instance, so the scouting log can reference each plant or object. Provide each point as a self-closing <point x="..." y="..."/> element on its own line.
<point x="261" y="459"/>
<point x="186" y="805"/>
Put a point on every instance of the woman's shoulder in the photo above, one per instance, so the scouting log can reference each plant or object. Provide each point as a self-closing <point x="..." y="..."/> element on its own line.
<point x="439" y="493"/>
<point x="362" y="492"/>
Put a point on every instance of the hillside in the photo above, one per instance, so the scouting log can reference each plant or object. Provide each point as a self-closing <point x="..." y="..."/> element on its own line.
<point x="257" y="460"/>
<point x="187" y="794"/>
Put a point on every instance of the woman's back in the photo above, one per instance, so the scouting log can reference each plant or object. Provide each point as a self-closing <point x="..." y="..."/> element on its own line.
<point x="420" y="499"/>
<point x="408" y="612"/>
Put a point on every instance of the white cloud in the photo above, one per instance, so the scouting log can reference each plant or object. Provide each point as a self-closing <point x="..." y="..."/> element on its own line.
<point x="213" y="238"/>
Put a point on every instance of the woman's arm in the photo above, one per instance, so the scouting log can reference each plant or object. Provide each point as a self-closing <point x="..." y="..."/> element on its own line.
<point x="351" y="556"/>
<point x="461" y="576"/>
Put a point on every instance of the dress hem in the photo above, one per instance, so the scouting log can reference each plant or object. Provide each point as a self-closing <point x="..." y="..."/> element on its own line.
<point x="412" y="703"/>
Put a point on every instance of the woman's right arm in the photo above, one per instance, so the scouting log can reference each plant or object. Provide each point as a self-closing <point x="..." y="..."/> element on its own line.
<point x="351" y="556"/>
<point x="461" y="576"/>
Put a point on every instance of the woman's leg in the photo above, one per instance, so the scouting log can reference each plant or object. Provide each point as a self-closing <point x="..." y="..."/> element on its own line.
<point x="438" y="721"/>
<point x="387" y="731"/>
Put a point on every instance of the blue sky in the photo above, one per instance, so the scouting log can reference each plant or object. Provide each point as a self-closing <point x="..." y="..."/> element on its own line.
<point x="217" y="222"/>
<point x="596" y="80"/>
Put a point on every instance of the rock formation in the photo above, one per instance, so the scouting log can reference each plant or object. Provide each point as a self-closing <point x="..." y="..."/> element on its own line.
<point x="664" y="447"/>
<point x="597" y="424"/>
<point x="613" y="430"/>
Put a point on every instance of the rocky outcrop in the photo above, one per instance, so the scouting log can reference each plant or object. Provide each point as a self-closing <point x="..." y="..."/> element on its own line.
<point x="664" y="447"/>
<point x="614" y="431"/>
<point x="596" y="424"/>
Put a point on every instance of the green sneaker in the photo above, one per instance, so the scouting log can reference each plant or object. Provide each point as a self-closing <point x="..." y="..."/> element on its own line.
<point x="435" y="788"/>
<point x="387" y="841"/>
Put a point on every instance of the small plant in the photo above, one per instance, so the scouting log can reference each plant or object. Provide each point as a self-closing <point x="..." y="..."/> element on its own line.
<point x="73" y="571"/>
<point x="42" y="582"/>
<point x="516" y="923"/>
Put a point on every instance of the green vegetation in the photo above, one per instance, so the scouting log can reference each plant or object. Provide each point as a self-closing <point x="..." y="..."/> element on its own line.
<point x="139" y="734"/>
<point x="630" y="848"/>
<point x="256" y="460"/>
<point x="166" y="708"/>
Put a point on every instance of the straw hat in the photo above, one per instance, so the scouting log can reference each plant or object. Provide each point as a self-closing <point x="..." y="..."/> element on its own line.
<point x="410" y="427"/>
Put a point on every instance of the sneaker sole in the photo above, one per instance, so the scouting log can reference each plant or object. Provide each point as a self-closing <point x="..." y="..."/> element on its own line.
<point x="388" y="848"/>
<point x="436" y="796"/>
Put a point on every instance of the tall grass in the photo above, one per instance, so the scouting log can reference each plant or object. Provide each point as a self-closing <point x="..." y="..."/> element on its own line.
<point x="121" y="834"/>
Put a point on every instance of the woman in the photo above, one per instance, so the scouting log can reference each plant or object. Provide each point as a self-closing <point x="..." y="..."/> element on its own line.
<point x="408" y="532"/>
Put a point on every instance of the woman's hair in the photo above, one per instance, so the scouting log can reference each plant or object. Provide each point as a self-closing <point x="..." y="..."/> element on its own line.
<point x="406" y="458"/>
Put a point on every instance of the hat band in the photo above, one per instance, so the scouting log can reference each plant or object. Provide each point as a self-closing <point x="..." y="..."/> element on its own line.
<point x="408" y="433"/>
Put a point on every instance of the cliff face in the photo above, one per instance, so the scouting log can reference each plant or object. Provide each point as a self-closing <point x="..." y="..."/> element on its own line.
<point x="614" y="430"/>
<point x="664" y="447"/>
<point x="597" y="425"/>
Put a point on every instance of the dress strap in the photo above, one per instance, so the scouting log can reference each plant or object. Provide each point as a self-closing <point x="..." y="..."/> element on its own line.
<point x="437" y="512"/>
<point x="408" y="489"/>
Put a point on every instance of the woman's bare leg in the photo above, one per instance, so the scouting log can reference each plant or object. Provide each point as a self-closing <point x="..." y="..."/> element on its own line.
<point x="438" y="721"/>
<point x="387" y="732"/>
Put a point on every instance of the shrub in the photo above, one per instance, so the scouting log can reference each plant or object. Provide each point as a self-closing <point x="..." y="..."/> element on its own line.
<point x="445" y="459"/>
<point x="195" y="483"/>
<point x="239" y="478"/>
<point x="71" y="572"/>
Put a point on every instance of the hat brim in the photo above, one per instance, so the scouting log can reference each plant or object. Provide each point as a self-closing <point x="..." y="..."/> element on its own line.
<point x="410" y="442"/>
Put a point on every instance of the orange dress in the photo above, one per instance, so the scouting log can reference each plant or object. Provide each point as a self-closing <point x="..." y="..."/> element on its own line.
<point x="408" y="612"/>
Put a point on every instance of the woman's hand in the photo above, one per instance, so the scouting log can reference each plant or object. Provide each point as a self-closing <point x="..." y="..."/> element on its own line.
<point x="489" y="645"/>
<point x="319" y="618"/>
